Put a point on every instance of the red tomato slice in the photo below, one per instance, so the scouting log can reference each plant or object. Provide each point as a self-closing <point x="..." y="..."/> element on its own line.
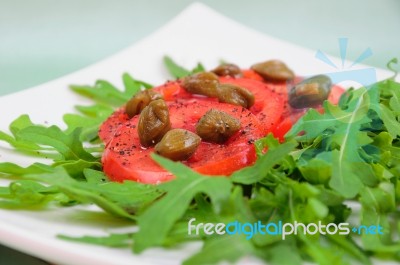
<point x="269" y="97"/>
<point x="336" y="93"/>
<point x="124" y="159"/>
<point x="108" y="128"/>
<point x="251" y="74"/>
<point x="268" y="105"/>
<point x="171" y="91"/>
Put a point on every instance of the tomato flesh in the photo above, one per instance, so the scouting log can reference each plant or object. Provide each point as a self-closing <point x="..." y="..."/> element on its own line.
<point x="124" y="158"/>
<point x="268" y="105"/>
<point x="108" y="128"/>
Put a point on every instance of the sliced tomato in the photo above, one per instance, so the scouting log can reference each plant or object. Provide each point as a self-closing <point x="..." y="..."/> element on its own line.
<point x="268" y="105"/>
<point x="108" y="128"/>
<point x="251" y="74"/>
<point x="336" y="93"/>
<point x="171" y="91"/>
<point x="269" y="98"/>
<point x="125" y="159"/>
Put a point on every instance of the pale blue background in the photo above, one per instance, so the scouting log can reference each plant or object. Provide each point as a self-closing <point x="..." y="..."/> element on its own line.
<point x="44" y="39"/>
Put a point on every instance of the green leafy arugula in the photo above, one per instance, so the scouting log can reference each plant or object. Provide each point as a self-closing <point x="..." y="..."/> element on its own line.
<point x="178" y="71"/>
<point x="350" y="152"/>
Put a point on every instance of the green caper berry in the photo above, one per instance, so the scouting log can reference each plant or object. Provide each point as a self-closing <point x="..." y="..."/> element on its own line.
<point x="204" y="83"/>
<point x="235" y="95"/>
<point x="228" y="70"/>
<point x="217" y="126"/>
<point x="153" y="123"/>
<point x="178" y="144"/>
<point x="137" y="103"/>
<point x="310" y="92"/>
<point x="273" y="70"/>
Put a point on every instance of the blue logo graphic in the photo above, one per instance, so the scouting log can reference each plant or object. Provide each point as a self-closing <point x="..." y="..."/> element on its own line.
<point x="343" y="43"/>
<point x="365" y="76"/>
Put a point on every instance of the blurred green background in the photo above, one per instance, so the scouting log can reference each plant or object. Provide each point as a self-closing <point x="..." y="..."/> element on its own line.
<point x="41" y="40"/>
<point x="44" y="39"/>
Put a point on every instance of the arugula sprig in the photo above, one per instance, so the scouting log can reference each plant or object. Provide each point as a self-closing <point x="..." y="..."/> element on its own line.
<point x="74" y="171"/>
<point x="350" y="152"/>
<point x="178" y="71"/>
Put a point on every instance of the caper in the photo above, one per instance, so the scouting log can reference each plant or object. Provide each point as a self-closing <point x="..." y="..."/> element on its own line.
<point x="137" y="103"/>
<point x="204" y="83"/>
<point x="178" y="144"/>
<point x="235" y="95"/>
<point x="273" y="70"/>
<point x="228" y="69"/>
<point x="310" y="92"/>
<point x="153" y="123"/>
<point x="217" y="126"/>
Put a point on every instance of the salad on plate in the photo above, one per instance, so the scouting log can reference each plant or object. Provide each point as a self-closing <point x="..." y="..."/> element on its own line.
<point x="254" y="146"/>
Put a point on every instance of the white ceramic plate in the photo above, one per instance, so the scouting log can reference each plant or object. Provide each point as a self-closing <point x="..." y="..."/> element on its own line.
<point x="197" y="34"/>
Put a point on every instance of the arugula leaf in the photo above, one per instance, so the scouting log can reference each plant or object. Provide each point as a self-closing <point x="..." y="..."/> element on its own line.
<point x="133" y="86"/>
<point x="278" y="254"/>
<point x="104" y="92"/>
<point x="29" y="194"/>
<point x="68" y="146"/>
<point x="198" y="69"/>
<point x="260" y="169"/>
<point x="80" y="192"/>
<point x="15" y="170"/>
<point x="178" y="71"/>
<point x="222" y="248"/>
<point x="376" y="203"/>
<point x="95" y="111"/>
<point x="89" y="126"/>
<point x="18" y="124"/>
<point x="174" y="69"/>
<point x="112" y="240"/>
<point x="179" y="194"/>
<point x="340" y="127"/>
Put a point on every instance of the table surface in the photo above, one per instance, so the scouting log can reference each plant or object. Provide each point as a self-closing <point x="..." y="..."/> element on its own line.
<point x="41" y="40"/>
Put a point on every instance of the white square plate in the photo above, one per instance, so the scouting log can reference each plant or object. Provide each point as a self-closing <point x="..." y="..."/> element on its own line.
<point x="197" y="34"/>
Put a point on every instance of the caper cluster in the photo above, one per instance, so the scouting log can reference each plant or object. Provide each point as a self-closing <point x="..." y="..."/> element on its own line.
<point x="137" y="103"/>
<point x="154" y="127"/>
<point x="207" y="84"/>
<point x="310" y="92"/>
